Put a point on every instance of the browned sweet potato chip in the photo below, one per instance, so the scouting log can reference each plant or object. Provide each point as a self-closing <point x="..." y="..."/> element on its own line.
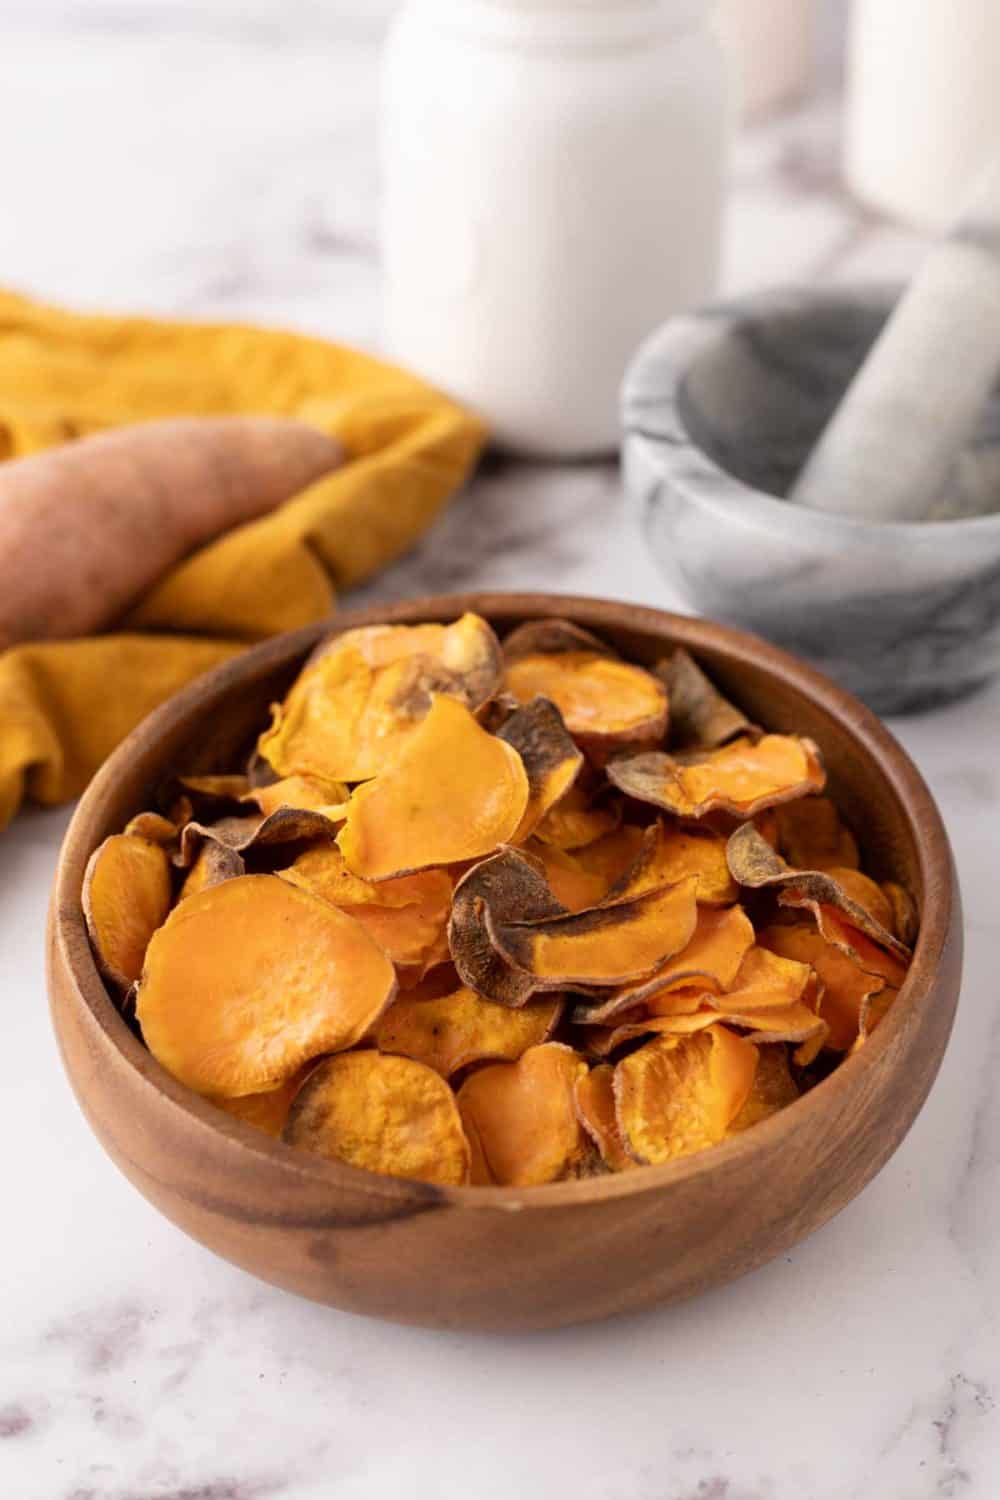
<point x="362" y="697"/>
<point x="248" y="980"/>
<point x="595" y="1108"/>
<point x="677" y="1095"/>
<point x="127" y="893"/>
<point x="453" y="793"/>
<point x="670" y="854"/>
<point x="577" y="821"/>
<point x="712" y="960"/>
<point x="866" y="893"/>
<point x="811" y="835"/>
<point x="512" y="887"/>
<point x="288" y="825"/>
<point x="385" y="1114"/>
<point x="523" y="1116"/>
<point x="700" y="717"/>
<point x="213" y="864"/>
<point x="848" y="992"/>
<point x="743" y="778"/>
<point x="407" y="916"/>
<point x="606" y="946"/>
<point x="773" y="1089"/>
<point x="551" y="760"/>
<point x="796" y="1022"/>
<point x="153" y="827"/>
<point x="755" y="864"/>
<point x="552" y="638"/>
<point x="449" y="1033"/>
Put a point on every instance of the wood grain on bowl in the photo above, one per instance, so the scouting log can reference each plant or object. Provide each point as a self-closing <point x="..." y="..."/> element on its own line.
<point x="504" y="1258"/>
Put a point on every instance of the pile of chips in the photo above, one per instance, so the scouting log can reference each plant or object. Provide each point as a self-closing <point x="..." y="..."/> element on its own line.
<point x="499" y="914"/>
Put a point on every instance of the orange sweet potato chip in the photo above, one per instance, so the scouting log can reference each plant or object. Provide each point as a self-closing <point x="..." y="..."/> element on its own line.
<point x="711" y="960"/>
<point x="385" y="1114"/>
<point x="848" y="992"/>
<point x="153" y="827"/>
<point x="773" y="1088"/>
<point x="700" y="717"/>
<point x="866" y="893"/>
<point x="451" y="1032"/>
<point x="453" y="793"/>
<point x="904" y="923"/>
<point x="267" y="1112"/>
<point x="305" y="792"/>
<point x="697" y="1010"/>
<point x="670" y="854"/>
<point x="811" y="835"/>
<point x="677" y="1094"/>
<point x="742" y="779"/>
<point x="213" y="864"/>
<point x="127" y="892"/>
<point x="766" y="979"/>
<point x="573" y="885"/>
<point x="595" y="1108"/>
<point x="551" y="759"/>
<point x="523" y="1117"/>
<point x="604" y="701"/>
<point x="577" y="821"/>
<point x="607" y="945"/>
<point x="362" y="697"/>
<point x="250" y="979"/>
<point x="407" y="917"/>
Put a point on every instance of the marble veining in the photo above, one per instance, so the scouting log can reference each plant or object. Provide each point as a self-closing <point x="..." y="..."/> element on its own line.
<point x="216" y="160"/>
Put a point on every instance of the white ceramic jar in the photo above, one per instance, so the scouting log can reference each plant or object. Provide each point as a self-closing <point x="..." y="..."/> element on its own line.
<point x="924" y="104"/>
<point x="553" y="183"/>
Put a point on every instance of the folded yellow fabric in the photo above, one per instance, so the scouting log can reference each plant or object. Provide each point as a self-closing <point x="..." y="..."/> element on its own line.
<point x="65" y="705"/>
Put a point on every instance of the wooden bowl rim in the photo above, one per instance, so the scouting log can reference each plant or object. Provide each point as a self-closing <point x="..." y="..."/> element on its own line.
<point x="870" y="735"/>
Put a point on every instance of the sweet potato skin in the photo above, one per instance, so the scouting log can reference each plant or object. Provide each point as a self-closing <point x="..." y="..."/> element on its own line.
<point x="87" y="528"/>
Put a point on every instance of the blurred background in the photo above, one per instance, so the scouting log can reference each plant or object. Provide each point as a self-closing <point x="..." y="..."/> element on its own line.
<point x="217" y="158"/>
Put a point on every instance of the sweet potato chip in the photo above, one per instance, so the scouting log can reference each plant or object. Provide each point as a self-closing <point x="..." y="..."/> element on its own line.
<point x="678" y="1095"/>
<point x="385" y="1114"/>
<point x="595" y="1108"/>
<point x="216" y="788"/>
<point x="552" y="638"/>
<point x="127" y="893"/>
<point x="573" y="886"/>
<point x="511" y="887"/>
<point x="288" y="825"/>
<point x="461" y="1028"/>
<point x="848" y="992"/>
<point x="605" y="703"/>
<point x="755" y="864"/>
<point x="864" y="892"/>
<point x="523" y="1116"/>
<point x="670" y="854"/>
<point x="605" y="946"/>
<point x="363" y="696"/>
<point x="712" y="959"/>
<point x="453" y="793"/>
<point x="407" y="916"/>
<point x="812" y="836"/>
<point x="905" y="922"/>
<point x="248" y="980"/>
<point x="696" y="1011"/>
<point x="773" y="1089"/>
<point x="303" y="792"/>
<point x="153" y="827"/>
<point x="213" y="864"/>
<point x="610" y="856"/>
<point x="743" y="778"/>
<point x="551" y="759"/>
<point x="577" y="821"/>
<point x="765" y="979"/>
<point x="700" y="717"/>
<point x="268" y="1112"/>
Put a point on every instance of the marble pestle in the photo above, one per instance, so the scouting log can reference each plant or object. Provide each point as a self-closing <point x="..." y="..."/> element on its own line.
<point x="888" y="452"/>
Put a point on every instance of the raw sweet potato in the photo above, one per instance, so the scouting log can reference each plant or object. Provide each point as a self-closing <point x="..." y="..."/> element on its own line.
<point x="85" y="529"/>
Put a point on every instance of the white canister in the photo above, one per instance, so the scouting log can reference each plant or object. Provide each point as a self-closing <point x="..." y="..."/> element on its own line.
<point x="923" y="105"/>
<point x="553" y="183"/>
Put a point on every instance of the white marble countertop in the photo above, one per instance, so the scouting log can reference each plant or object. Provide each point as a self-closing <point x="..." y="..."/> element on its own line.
<point x="216" y="160"/>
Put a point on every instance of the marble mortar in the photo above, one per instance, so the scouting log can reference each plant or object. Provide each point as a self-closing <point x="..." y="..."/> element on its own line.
<point x="720" y="409"/>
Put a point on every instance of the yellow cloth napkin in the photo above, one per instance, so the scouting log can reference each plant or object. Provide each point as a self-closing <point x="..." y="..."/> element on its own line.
<point x="65" y="705"/>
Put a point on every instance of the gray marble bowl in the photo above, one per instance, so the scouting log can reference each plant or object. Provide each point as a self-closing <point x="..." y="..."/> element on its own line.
<point x="720" y="409"/>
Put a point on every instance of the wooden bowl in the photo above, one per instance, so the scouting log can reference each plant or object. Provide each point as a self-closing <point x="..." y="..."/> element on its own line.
<point x="506" y="1258"/>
